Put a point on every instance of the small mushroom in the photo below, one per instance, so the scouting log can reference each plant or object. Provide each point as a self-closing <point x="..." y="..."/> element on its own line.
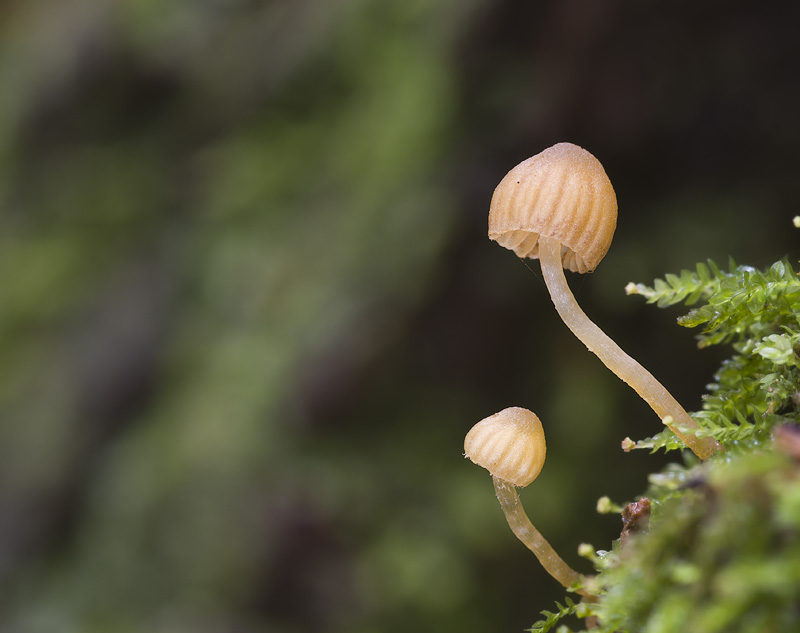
<point x="559" y="206"/>
<point x="510" y="445"/>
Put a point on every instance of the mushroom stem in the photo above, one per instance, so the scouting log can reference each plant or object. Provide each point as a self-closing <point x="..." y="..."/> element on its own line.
<point x="521" y="525"/>
<point x="613" y="357"/>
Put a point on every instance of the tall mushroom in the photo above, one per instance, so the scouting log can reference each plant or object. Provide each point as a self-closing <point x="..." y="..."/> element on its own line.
<point x="510" y="445"/>
<point x="559" y="206"/>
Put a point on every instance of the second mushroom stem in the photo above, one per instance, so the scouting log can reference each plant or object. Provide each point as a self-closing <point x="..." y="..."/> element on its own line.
<point x="522" y="527"/>
<point x="625" y="367"/>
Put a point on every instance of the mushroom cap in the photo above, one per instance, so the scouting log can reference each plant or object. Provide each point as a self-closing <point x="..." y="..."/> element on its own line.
<point x="509" y="444"/>
<point x="562" y="193"/>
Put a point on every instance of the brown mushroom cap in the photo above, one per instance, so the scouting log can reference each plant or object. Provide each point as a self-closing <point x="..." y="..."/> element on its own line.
<point x="509" y="444"/>
<point x="562" y="193"/>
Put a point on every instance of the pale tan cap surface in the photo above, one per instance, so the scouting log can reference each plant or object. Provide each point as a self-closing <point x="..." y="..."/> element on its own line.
<point x="509" y="444"/>
<point x="562" y="193"/>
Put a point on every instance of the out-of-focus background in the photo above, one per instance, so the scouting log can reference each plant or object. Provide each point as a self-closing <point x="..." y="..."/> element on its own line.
<point x="248" y="309"/>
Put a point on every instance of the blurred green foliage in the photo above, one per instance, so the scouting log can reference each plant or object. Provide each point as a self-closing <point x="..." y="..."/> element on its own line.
<point x="195" y="205"/>
<point x="248" y="311"/>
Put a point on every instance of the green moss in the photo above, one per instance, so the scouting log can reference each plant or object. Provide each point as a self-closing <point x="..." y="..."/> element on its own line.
<point x="720" y="549"/>
<point x="722" y="556"/>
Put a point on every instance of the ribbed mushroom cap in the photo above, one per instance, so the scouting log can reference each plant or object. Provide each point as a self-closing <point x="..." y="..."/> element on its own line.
<point x="562" y="193"/>
<point x="509" y="444"/>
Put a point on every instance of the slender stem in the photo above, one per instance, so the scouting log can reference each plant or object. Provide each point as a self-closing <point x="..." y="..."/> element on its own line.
<point x="521" y="525"/>
<point x="625" y="367"/>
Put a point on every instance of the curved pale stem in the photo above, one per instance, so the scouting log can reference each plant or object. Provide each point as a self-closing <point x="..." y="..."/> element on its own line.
<point x="612" y="356"/>
<point x="521" y="525"/>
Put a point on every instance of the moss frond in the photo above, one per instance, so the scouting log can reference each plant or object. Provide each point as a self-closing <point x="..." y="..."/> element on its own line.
<point x="758" y="314"/>
<point x="570" y="608"/>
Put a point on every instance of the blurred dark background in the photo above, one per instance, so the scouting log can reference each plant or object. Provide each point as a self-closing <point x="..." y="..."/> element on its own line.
<point x="248" y="309"/>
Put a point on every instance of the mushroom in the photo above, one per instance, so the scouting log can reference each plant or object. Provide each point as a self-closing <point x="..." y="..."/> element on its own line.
<point x="510" y="445"/>
<point x="559" y="206"/>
